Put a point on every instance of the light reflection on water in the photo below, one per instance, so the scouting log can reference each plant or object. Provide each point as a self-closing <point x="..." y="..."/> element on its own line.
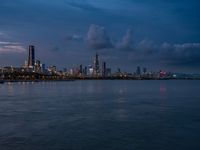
<point x="100" y="115"/>
<point x="10" y="89"/>
<point x="122" y="113"/>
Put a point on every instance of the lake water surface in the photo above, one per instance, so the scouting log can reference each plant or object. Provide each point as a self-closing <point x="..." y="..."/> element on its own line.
<point x="100" y="115"/>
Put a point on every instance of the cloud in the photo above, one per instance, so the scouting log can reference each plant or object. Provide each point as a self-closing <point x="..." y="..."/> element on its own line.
<point x="147" y="47"/>
<point x="186" y="53"/>
<point x="11" y="47"/>
<point x="82" y="5"/>
<point x="127" y="41"/>
<point x="146" y="50"/>
<point x="8" y="43"/>
<point x="97" y="38"/>
<point x="166" y="53"/>
<point x="75" y="37"/>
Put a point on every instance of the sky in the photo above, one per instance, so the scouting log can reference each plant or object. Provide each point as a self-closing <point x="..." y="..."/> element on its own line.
<point x="156" y="34"/>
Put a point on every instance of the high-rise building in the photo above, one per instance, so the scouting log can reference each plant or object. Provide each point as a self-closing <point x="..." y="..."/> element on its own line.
<point x="81" y="69"/>
<point x="96" y="65"/>
<point x="42" y="66"/>
<point x="118" y="70"/>
<point x="144" y="70"/>
<point x="108" y="72"/>
<point x="52" y="69"/>
<point x="104" y="69"/>
<point x="37" y="65"/>
<point x="26" y="64"/>
<point x="65" y="69"/>
<point x="31" y="56"/>
<point x="138" y="71"/>
<point x="91" y="70"/>
<point x="85" y="71"/>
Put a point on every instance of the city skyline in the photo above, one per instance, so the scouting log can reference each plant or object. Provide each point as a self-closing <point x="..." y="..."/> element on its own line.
<point x="35" y="70"/>
<point x="67" y="33"/>
<point x="96" y="68"/>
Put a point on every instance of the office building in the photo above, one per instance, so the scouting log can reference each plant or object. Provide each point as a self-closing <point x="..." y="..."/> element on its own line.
<point x="52" y="69"/>
<point x="138" y="71"/>
<point x="104" y="69"/>
<point x="96" y="68"/>
<point x="85" y="70"/>
<point x="144" y="70"/>
<point x="91" y="70"/>
<point x="37" y="66"/>
<point x="108" y="72"/>
<point x="31" y="56"/>
<point x="80" y="69"/>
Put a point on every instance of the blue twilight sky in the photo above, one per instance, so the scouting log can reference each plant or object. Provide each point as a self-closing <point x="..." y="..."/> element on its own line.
<point x="157" y="34"/>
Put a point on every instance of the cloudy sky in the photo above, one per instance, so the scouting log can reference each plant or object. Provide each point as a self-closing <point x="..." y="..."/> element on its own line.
<point x="157" y="34"/>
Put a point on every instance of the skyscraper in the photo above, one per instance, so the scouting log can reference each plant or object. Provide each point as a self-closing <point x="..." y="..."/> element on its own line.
<point x="104" y="69"/>
<point x="91" y="70"/>
<point x="81" y="69"/>
<point x="144" y="70"/>
<point x="37" y="65"/>
<point x="85" y="71"/>
<point x="138" y="71"/>
<point x="31" y="56"/>
<point x="96" y="65"/>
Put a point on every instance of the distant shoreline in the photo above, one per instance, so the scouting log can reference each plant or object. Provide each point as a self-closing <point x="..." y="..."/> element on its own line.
<point x="79" y="79"/>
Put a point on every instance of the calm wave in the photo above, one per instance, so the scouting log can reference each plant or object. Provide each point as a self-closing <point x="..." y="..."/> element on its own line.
<point x="100" y="115"/>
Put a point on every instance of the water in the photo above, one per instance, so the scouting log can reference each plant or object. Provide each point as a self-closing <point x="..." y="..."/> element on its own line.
<point x="100" y="115"/>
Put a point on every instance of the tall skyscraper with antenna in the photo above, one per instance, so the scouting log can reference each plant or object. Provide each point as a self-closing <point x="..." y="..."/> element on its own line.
<point x="96" y="66"/>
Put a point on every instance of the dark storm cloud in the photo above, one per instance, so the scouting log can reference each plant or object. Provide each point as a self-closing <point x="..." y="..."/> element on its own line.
<point x="97" y="37"/>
